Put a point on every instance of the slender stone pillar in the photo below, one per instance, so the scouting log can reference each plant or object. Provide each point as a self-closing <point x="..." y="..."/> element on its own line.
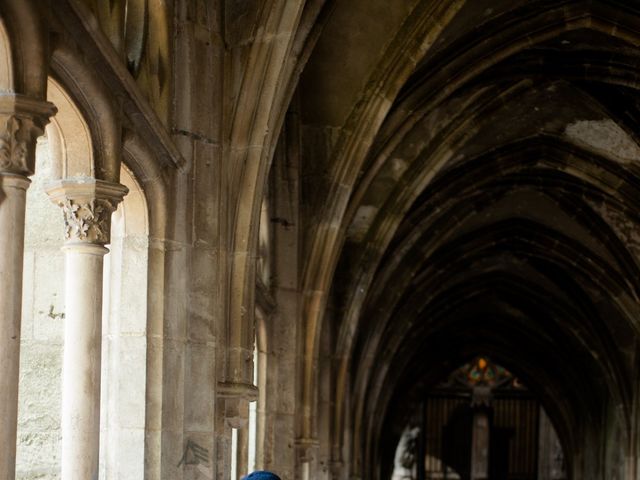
<point x="480" y="446"/>
<point x="480" y="437"/>
<point x="87" y="205"/>
<point x="22" y="120"/>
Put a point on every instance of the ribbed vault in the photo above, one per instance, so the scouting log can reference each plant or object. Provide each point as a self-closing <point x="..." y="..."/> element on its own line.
<point x="495" y="211"/>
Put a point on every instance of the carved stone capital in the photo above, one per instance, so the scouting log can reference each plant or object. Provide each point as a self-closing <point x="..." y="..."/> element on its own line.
<point x="22" y="121"/>
<point x="87" y="205"/>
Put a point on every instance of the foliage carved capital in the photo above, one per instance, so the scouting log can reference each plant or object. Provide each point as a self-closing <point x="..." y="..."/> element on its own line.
<point x="22" y="121"/>
<point x="87" y="205"/>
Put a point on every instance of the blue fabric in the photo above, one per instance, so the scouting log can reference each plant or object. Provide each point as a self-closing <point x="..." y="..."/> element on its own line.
<point x="262" y="475"/>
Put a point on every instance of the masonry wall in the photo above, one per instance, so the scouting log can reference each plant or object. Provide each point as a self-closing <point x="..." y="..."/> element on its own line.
<point x="42" y="332"/>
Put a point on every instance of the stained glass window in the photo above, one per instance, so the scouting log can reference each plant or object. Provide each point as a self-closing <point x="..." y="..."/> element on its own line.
<point x="482" y="371"/>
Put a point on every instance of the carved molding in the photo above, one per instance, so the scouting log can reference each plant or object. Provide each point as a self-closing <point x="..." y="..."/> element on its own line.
<point x="87" y="205"/>
<point x="22" y="121"/>
<point x="307" y="449"/>
<point x="245" y="391"/>
<point x="236" y="398"/>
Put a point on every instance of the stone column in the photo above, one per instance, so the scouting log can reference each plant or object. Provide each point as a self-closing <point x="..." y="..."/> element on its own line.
<point x="242" y="458"/>
<point x="22" y="120"/>
<point x="480" y="436"/>
<point x="87" y="205"/>
<point x="480" y="446"/>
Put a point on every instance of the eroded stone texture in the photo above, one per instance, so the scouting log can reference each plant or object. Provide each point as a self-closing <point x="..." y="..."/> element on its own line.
<point x="42" y="332"/>
<point x="368" y="194"/>
<point x="605" y="136"/>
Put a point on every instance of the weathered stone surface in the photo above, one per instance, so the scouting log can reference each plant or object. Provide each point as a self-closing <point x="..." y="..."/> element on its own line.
<point x="369" y="193"/>
<point x="605" y="136"/>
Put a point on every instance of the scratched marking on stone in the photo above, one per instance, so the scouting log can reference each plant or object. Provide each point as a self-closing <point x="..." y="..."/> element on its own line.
<point x="194" y="454"/>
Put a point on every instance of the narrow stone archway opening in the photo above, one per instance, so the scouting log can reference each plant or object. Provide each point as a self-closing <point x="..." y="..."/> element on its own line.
<point x="480" y="422"/>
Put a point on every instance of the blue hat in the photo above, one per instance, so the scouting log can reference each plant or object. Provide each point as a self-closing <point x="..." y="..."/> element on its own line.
<point x="261" y="475"/>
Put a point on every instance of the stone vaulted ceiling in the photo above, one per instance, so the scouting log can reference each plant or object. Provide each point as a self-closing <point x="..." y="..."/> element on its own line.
<point x="474" y="187"/>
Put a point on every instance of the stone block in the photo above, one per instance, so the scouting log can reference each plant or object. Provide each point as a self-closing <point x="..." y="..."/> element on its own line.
<point x="38" y="455"/>
<point x="40" y="387"/>
<point x="48" y="305"/>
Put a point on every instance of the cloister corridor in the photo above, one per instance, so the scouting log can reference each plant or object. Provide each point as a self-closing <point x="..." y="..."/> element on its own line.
<point x="330" y="239"/>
